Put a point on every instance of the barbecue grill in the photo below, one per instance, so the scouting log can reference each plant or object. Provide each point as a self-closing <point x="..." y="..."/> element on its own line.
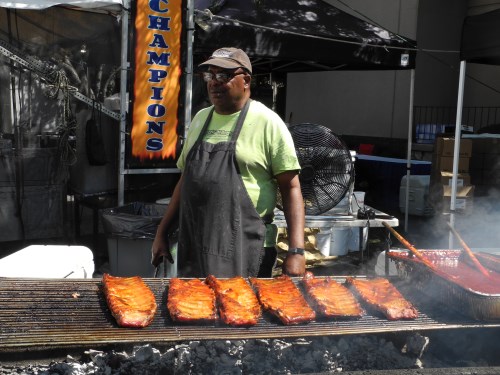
<point x="66" y="314"/>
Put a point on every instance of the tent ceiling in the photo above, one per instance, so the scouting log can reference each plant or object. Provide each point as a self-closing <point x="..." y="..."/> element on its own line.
<point x="300" y="35"/>
<point x="480" y="38"/>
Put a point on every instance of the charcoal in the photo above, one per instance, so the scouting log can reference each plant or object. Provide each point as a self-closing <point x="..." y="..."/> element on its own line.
<point x="257" y="356"/>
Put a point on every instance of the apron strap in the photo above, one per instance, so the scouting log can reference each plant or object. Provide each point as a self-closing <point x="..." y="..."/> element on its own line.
<point x="205" y="127"/>
<point x="240" y="121"/>
<point x="237" y="128"/>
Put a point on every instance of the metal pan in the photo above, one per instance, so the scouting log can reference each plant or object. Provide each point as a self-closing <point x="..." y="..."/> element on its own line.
<point x="477" y="304"/>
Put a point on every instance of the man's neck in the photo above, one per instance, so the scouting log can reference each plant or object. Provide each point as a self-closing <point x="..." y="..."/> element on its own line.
<point x="229" y="110"/>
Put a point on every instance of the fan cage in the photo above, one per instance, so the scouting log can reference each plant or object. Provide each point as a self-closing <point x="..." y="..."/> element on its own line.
<point x="327" y="170"/>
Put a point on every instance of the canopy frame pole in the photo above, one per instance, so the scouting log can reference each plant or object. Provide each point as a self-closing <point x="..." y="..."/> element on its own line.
<point x="456" y="151"/>
<point x="123" y="102"/>
<point x="189" y="66"/>
<point x="408" y="153"/>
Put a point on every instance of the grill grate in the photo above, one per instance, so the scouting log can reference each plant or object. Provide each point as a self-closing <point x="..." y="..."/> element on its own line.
<point x="47" y="314"/>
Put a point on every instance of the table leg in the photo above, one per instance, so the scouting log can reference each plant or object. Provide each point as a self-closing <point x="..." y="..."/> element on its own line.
<point x="361" y="243"/>
<point x="386" y="258"/>
<point x="76" y="213"/>
<point x="95" y="226"/>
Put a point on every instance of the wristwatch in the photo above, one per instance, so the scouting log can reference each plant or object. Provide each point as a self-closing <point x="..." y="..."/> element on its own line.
<point x="296" y="250"/>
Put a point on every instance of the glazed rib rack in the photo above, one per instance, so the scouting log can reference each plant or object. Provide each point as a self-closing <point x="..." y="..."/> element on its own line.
<point x="48" y="314"/>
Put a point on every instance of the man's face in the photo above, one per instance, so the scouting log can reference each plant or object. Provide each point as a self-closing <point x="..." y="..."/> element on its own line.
<point x="229" y="91"/>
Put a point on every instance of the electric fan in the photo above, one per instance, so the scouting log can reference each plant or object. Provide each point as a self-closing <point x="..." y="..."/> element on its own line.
<point x="327" y="170"/>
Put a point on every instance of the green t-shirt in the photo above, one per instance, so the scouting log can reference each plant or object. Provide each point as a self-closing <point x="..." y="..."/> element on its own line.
<point x="264" y="149"/>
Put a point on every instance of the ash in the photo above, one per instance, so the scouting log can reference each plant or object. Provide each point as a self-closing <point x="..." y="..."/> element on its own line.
<point x="256" y="356"/>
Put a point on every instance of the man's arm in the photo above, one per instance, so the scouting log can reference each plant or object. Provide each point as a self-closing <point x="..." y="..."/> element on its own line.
<point x="160" y="243"/>
<point x="293" y="208"/>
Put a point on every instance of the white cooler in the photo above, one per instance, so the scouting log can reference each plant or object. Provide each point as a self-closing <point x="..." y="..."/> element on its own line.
<point x="49" y="261"/>
<point x="417" y="196"/>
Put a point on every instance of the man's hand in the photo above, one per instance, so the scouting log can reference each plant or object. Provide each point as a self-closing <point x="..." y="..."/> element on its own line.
<point x="160" y="249"/>
<point x="294" y="265"/>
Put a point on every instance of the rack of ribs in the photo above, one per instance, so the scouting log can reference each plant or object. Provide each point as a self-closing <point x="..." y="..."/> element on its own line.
<point x="238" y="304"/>
<point x="382" y="296"/>
<point x="281" y="297"/>
<point x="131" y="301"/>
<point x="330" y="298"/>
<point x="191" y="301"/>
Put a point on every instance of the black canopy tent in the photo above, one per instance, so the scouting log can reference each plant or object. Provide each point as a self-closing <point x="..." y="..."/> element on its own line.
<point x="481" y="45"/>
<point x="298" y="36"/>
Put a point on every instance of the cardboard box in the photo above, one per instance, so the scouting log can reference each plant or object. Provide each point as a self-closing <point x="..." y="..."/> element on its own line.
<point x="463" y="201"/>
<point x="445" y="163"/>
<point x="446" y="146"/>
<point x="462" y="178"/>
<point x="462" y="191"/>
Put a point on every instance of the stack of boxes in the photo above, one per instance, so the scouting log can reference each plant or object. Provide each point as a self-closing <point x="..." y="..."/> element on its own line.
<point x="442" y="173"/>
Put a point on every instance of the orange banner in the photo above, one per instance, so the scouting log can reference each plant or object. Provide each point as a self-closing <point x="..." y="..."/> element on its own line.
<point x="158" y="26"/>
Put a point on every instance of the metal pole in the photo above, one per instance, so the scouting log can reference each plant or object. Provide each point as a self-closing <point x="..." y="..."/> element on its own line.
<point x="123" y="101"/>
<point x="408" y="153"/>
<point x="456" y="151"/>
<point x="189" y="65"/>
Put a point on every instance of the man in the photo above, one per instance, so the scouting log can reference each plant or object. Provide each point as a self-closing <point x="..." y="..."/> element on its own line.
<point x="236" y="154"/>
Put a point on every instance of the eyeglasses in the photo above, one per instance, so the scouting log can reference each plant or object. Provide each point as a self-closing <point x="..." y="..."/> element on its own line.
<point x="220" y="77"/>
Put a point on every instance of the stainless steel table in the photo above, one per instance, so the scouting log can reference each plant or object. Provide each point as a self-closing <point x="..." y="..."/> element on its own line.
<point x="344" y="220"/>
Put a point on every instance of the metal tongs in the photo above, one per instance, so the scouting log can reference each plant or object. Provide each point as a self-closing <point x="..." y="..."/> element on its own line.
<point x="157" y="269"/>
<point x="171" y="234"/>
<point x="164" y="260"/>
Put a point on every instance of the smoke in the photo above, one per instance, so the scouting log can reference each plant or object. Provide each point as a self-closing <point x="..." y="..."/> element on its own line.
<point x="478" y="226"/>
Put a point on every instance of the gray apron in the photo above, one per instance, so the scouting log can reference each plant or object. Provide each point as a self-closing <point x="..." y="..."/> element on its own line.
<point x="220" y="231"/>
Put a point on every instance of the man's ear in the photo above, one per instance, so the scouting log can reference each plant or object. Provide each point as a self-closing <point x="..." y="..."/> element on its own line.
<point x="248" y="79"/>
